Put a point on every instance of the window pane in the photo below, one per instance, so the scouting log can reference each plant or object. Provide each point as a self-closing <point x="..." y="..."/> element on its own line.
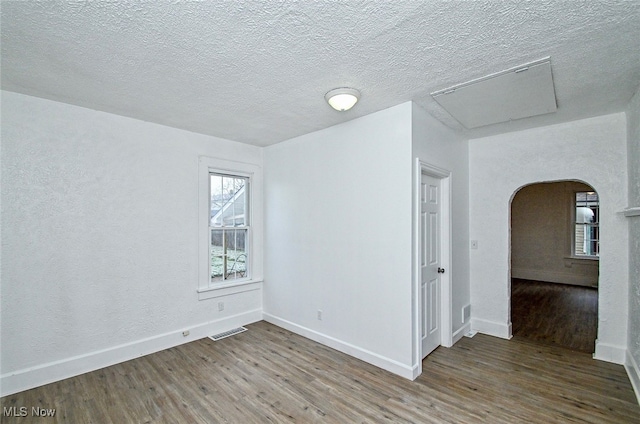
<point x="586" y="235"/>
<point x="229" y="255"/>
<point x="228" y="201"/>
<point x="236" y="254"/>
<point x="217" y="255"/>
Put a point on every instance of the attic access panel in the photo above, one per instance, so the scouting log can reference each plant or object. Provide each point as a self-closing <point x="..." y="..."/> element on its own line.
<point x="515" y="93"/>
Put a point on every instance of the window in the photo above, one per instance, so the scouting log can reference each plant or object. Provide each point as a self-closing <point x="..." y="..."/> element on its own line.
<point x="587" y="230"/>
<point x="228" y="227"/>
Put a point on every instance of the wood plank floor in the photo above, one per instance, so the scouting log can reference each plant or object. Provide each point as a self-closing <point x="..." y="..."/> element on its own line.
<point x="268" y="375"/>
<point x="553" y="313"/>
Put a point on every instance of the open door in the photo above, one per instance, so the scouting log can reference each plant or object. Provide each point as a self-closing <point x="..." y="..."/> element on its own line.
<point x="430" y="261"/>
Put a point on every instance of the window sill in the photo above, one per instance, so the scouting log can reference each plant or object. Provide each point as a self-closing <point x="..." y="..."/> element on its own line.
<point x="227" y="289"/>
<point x="583" y="258"/>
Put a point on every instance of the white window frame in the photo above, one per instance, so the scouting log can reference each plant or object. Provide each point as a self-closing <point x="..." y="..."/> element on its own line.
<point x="253" y="244"/>
<point x="574" y="223"/>
<point x="227" y="229"/>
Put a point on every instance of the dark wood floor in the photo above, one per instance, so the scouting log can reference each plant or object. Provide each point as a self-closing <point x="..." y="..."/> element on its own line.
<point x="268" y="375"/>
<point x="557" y="314"/>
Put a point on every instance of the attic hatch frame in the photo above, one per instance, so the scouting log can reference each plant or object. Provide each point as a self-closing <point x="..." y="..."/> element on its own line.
<point x="519" y="92"/>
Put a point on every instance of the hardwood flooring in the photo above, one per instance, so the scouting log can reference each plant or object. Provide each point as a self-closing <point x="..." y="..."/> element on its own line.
<point x="552" y="313"/>
<point x="268" y="375"/>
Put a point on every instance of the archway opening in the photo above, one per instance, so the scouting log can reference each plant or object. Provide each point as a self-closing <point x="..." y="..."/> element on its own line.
<point x="555" y="264"/>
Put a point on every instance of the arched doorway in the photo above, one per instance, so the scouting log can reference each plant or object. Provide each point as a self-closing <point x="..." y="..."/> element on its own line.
<point x="555" y="264"/>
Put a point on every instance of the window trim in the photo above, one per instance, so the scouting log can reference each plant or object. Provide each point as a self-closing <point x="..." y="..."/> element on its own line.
<point x="253" y="172"/>
<point x="573" y="223"/>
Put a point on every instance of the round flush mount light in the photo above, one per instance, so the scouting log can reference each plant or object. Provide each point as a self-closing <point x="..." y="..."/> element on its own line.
<point x="342" y="99"/>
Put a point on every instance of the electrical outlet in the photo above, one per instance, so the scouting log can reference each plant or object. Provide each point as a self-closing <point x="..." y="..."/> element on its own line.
<point x="319" y="315"/>
<point x="220" y="306"/>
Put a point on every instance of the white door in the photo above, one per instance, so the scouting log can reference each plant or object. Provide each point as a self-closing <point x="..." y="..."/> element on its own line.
<point x="430" y="270"/>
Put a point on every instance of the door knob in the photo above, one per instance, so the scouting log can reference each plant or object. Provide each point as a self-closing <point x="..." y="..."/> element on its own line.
<point x="440" y="270"/>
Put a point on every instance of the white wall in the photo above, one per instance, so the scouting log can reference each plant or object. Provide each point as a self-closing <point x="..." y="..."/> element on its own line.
<point x="338" y="237"/>
<point x="591" y="150"/>
<point x="100" y="240"/>
<point x="542" y="234"/>
<point x="633" y="134"/>
<point x="437" y="145"/>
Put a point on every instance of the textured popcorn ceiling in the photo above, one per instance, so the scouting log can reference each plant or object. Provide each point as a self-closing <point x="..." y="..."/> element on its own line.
<point x="257" y="71"/>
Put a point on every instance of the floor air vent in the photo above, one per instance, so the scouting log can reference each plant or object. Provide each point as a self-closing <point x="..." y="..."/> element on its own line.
<point x="220" y="336"/>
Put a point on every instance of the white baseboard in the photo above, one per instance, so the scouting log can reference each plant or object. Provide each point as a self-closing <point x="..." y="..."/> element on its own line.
<point x="29" y="378"/>
<point x="491" y="328"/>
<point x="634" y="374"/>
<point x="461" y="332"/>
<point x="610" y="353"/>
<point x="556" y="276"/>
<point x="416" y="371"/>
<point x="372" y="358"/>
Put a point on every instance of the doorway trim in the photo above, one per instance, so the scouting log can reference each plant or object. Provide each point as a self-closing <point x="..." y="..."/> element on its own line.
<point x="446" y="335"/>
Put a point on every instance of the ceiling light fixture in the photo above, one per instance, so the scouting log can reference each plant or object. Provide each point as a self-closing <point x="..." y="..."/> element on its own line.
<point x="342" y="99"/>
